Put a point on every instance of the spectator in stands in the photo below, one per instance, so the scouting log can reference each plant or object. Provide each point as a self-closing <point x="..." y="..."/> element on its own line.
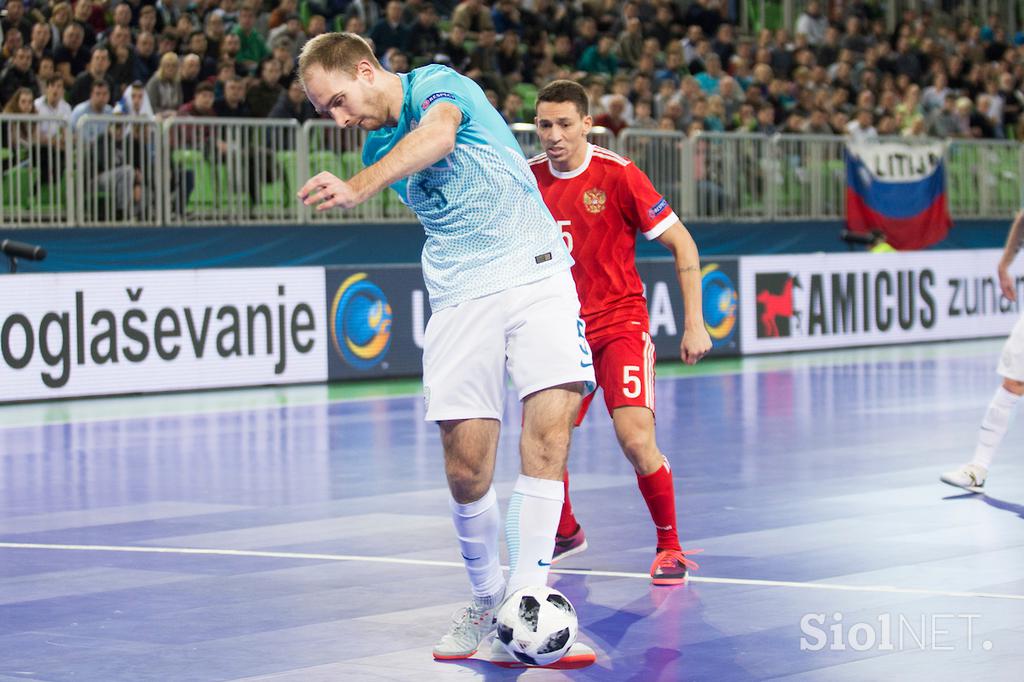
<point x="317" y="25"/>
<point x="12" y="42"/>
<point x="812" y="23"/>
<point x="202" y="104"/>
<point x="82" y="14"/>
<point x="233" y="103"/>
<point x="60" y="18"/>
<point x="600" y="58"/>
<point x="390" y="32"/>
<point x="673" y="69"/>
<point x="71" y="57"/>
<point x="40" y="43"/>
<point x="709" y="78"/>
<point x="513" y="67"/>
<point x="164" y="88"/>
<point x="631" y="42"/>
<point x="52" y="104"/>
<point x="766" y="120"/>
<point x="281" y="50"/>
<point x="135" y="101"/>
<point x="252" y="49"/>
<point x="18" y="74"/>
<point x="288" y="34"/>
<point x="145" y="52"/>
<point x="190" y="76"/>
<point x="483" y="62"/>
<point x="724" y="43"/>
<point x="512" y="109"/>
<point x="854" y="40"/>
<point x="122" y="17"/>
<point x="15" y="20"/>
<point x="1013" y="101"/>
<point x="943" y="122"/>
<point x="293" y="104"/>
<point x="124" y="65"/>
<point x="454" y="48"/>
<point x="147" y="20"/>
<point x="199" y="45"/>
<point x="45" y="70"/>
<point x="263" y="95"/>
<point x="98" y="69"/>
<point x="979" y="125"/>
<point x="935" y="94"/>
<point x="425" y="39"/>
<point x="473" y="16"/>
<point x="167" y="42"/>
<point x="396" y="61"/>
<point x="506" y="17"/>
<point x="862" y="128"/>
<point x="614" y="119"/>
<point x="214" y="30"/>
<point x="113" y="176"/>
<point x="279" y="15"/>
<point x="21" y="102"/>
<point x="228" y="12"/>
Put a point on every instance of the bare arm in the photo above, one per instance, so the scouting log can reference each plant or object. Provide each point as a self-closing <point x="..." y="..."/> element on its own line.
<point x="1013" y="244"/>
<point x="696" y="341"/>
<point x="433" y="140"/>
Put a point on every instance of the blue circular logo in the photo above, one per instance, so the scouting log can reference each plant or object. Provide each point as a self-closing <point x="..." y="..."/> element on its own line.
<point x="361" y="322"/>
<point x="720" y="298"/>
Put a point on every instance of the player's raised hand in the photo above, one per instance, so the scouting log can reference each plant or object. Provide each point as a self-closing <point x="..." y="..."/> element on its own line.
<point x="696" y="344"/>
<point x="327" y="191"/>
<point x="1006" y="283"/>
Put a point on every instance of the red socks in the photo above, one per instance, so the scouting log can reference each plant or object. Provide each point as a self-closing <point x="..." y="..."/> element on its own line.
<point x="660" y="496"/>
<point x="567" y="523"/>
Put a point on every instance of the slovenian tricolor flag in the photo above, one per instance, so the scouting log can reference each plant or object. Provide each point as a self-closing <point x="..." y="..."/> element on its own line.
<point x="899" y="189"/>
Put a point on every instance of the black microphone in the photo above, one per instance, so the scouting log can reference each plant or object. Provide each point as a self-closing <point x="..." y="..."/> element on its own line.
<point x="22" y="250"/>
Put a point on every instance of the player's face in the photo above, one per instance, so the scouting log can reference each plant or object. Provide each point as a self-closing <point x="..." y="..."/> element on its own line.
<point x="349" y="101"/>
<point x="563" y="133"/>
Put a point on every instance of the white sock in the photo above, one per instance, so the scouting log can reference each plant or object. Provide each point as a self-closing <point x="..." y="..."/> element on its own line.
<point x="478" y="524"/>
<point x="530" y="526"/>
<point x="993" y="426"/>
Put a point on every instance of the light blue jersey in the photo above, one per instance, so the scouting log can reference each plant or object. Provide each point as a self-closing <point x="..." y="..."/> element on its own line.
<point x="487" y="227"/>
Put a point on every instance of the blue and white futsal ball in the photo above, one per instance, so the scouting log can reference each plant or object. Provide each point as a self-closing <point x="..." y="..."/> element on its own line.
<point x="537" y="625"/>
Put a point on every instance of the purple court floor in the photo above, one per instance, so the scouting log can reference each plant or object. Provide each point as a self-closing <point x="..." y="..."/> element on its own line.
<point x="302" y="534"/>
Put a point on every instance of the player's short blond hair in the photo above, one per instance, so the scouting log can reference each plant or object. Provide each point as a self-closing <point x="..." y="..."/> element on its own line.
<point x="335" y="52"/>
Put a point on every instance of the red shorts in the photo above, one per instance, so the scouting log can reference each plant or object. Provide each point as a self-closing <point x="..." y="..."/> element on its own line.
<point x="624" y="366"/>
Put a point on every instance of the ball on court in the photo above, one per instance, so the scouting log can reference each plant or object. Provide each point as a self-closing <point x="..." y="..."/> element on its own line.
<point x="537" y="625"/>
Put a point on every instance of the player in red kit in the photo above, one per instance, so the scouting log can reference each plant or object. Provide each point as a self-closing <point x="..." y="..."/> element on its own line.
<point x="601" y="200"/>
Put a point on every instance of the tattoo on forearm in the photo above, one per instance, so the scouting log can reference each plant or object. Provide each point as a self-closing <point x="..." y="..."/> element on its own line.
<point x="689" y="268"/>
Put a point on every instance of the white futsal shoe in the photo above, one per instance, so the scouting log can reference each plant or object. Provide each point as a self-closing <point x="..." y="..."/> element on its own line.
<point x="969" y="477"/>
<point x="470" y="625"/>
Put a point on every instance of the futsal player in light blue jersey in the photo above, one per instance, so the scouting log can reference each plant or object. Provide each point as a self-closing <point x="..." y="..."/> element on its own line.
<point x="502" y="298"/>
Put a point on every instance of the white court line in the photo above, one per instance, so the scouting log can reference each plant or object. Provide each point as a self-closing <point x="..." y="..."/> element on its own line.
<point x="456" y="564"/>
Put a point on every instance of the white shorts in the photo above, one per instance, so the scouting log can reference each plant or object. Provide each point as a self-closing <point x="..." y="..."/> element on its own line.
<point x="1011" y="362"/>
<point x="532" y="331"/>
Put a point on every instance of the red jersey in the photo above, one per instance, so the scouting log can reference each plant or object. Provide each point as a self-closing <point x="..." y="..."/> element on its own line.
<point x="600" y="206"/>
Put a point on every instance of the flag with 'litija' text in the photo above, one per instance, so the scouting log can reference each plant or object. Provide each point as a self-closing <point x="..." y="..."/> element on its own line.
<point x="899" y="189"/>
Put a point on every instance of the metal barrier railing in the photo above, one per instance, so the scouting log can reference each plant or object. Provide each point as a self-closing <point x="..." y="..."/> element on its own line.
<point x="232" y="171"/>
<point x="35" y="185"/>
<point x="329" y="148"/>
<point x="116" y="170"/>
<point x="118" y="175"/>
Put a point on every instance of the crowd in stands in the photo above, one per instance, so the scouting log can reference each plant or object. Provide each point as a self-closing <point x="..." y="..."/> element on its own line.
<point x="672" y="64"/>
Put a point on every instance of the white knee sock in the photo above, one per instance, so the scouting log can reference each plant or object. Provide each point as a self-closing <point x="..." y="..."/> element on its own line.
<point x="993" y="426"/>
<point x="530" y="526"/>
<point x="478" y="524"/>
